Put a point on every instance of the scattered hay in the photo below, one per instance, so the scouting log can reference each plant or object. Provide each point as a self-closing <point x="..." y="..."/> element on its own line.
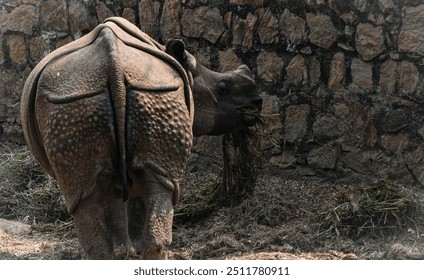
<point x="195" y="200"/>
<point x="283" y="216"/>
<point x="379" y="207"/>
<point x="27" y="193"/>
<point x="401" y="252"/>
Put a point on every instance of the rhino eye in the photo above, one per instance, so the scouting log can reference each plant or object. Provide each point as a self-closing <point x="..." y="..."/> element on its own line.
<point x="222" y="87"/>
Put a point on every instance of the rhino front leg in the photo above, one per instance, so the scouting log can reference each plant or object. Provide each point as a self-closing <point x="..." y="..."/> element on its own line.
<point x="158" y="216"/>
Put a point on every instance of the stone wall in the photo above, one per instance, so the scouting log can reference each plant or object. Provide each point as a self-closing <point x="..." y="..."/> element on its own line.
<point x="342" y="80"/>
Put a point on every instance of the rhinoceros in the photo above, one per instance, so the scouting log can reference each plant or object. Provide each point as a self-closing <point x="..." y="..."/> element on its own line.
<point x="111" y="116"/>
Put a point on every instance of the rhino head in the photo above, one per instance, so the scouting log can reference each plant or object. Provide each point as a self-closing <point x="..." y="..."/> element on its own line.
<point x="223" y="102"/>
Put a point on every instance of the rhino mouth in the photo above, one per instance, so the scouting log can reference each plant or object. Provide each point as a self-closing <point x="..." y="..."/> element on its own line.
<point x="251" y="116"/>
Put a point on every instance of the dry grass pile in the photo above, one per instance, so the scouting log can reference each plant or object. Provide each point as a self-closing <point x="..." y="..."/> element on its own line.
<point x="254" y="224"/>
<point x="370" y="209"/>
<point x="27" y="193"/>
<point x="195" y="197"/>
<point x="296" y="216"/>
<point x="268" y="206"/>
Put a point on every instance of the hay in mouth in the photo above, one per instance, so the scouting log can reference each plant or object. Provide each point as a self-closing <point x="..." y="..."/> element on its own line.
<point x="239" y="172"/>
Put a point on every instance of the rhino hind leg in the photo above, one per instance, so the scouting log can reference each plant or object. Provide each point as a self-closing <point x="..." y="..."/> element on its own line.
<point x="156" y="233"/>
<point x="92" y="230"/>
<point x="136" y="217"/>
<point x="117" y="221"/>
<point x="101" y="220"/>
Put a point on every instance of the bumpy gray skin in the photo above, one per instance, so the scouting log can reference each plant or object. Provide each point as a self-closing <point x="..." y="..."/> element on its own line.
<point x="113" y="115"/>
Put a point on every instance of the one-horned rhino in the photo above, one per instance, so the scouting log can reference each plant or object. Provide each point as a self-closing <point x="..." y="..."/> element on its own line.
<point x="112" y="115"/>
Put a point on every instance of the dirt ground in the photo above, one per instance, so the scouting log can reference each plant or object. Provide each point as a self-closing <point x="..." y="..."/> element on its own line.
<point x="283" y="219"/>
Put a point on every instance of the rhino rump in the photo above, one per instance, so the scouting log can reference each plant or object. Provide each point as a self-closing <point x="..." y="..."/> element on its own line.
<point x="87" y="108"/>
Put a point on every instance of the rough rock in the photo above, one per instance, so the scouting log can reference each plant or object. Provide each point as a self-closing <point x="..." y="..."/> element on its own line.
<point x="204" y="59"/>
<point x="394" y="121"/>
<point x="285" y="160"/>
<point x="268" y="28"/>
<point x="420" y="132"/>
<point x="293" y="27"/>
<point x="6" y="78"/>
<point x="14" y="227"/>
<point x="14" y="134"/>
<point x="324" y="157"/>
<point x="408" y="78"/>
<point x="23" y="19"/>
<point x="169" y="24"/>
<point x="369" y="40"/>
<point x="80" y="20"/>
<point x="314" y="71"/>
<point x="322" y="31"/>
<point x="270" y="66"/>
<point x="362" y="75"/>
<point x="296" y="72"/>
<point x="17" y="48"/>
<point x="296" y="122"/>
<point x="148" y="15"/>
<point x="411" y="37"/>
<point x="395" y="143"/>
<point x="256" y="3"/>
<point x="329" y="127"/>
<point x="4" y="21"/>
<point x="386" y="5"/>
<point x="1" y="51"/>
<point x="38" y="49"/>
<point x="399" y="78"/>
<point x="203" y="22"/>
<point x="103" y="12"/>
<point x="362" y="5"/>
<point x="270" y="110"/>
<point x="364" y="126"/>
<point x="243" y="31"/>
<point x="342" y="111"/>
<point x="54" y="15"/>
<point x="415" y="162"/>
<point x="370" y="163"/>
<point x="130" y="3"/>
<point x="129" y="15"/>
<point x="228" y="60"/>
<point x="337" y="72"/>
<point x="388" y="77"/>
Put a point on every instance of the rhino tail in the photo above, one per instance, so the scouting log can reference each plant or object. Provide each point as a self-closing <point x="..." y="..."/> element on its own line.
<point x="117" y="90"/>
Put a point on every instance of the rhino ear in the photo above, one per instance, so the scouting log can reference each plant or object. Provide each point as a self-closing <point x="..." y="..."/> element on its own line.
<point x="176" y="48"/>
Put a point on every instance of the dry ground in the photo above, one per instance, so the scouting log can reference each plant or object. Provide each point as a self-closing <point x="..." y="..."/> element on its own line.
<point x="283" y="219"/>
